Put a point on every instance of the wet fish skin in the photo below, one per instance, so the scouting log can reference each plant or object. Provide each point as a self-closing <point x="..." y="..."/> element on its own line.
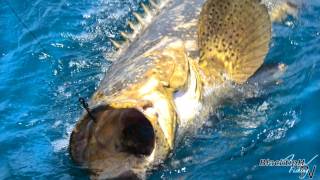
<point x="157" y="78"/>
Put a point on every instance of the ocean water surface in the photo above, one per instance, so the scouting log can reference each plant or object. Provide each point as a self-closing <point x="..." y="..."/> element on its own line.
<point x="54" y="51"/>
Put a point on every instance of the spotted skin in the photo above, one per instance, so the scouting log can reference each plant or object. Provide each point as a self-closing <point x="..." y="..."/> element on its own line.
<point x="234" y="38"/>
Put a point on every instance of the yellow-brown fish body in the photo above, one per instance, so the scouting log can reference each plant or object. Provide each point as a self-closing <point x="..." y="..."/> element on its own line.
<point x="165" y="78"/>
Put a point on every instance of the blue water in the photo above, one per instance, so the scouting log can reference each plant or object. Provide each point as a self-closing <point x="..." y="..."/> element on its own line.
<point x="45" y="69"/>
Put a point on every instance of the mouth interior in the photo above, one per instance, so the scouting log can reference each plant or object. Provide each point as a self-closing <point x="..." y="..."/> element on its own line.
<point x="138" y="136"/>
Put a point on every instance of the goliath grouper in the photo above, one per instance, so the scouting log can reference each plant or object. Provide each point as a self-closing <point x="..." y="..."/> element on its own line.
<point x="175" y="68"/>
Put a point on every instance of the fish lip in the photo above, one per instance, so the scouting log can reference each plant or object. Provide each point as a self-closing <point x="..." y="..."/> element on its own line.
<point x="78" y="158"/>
<point x="85" y="120"/>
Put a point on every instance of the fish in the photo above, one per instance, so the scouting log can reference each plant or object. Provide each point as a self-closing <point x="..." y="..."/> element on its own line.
<point x="169" y="74"/>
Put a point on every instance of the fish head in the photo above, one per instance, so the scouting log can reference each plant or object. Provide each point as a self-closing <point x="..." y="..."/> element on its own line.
<point x="120" y="142"/>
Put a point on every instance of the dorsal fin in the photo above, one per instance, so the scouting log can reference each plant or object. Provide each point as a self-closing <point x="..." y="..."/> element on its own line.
<point x="234" y="38"/>
<point x="115" y="43"/>
<point x="142" y="19"/>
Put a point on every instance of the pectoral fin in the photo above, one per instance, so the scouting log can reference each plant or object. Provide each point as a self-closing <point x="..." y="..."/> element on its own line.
<point x="234" y="38"/>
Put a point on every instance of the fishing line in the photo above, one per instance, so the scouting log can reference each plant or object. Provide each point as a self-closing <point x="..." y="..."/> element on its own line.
<point x="26" y="26"/>
<point x="82" y="101"/>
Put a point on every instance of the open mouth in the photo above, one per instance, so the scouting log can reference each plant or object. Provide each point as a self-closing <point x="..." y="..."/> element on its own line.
<point x="137" y="136"/>
<point x="120" y="140"/>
